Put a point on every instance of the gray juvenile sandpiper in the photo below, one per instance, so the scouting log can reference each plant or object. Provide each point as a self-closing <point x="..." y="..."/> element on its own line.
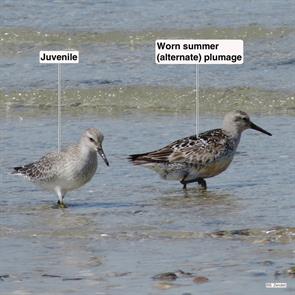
<point x="192" y="159"/>
<point x="69" y="169"/>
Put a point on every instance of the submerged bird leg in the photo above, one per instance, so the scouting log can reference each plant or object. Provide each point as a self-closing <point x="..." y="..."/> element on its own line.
<point x="61" y="196"/>
<point x="184" y="185"/>
<point x="61" y="204"/>
<point x="202" y="182"/>
<point x="183" y="182"/>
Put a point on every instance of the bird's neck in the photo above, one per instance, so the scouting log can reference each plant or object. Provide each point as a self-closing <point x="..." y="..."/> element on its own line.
<point x="234" y="134"/>
<point x="86" y="152"/>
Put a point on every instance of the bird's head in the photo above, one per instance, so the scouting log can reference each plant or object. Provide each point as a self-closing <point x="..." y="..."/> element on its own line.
<point x="238" y="121"/>
<point x="93" y="138"/>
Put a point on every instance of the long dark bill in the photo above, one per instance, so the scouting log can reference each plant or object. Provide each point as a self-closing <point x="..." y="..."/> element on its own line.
<point x="102" y="154"/>
<point x="255" y="127"/>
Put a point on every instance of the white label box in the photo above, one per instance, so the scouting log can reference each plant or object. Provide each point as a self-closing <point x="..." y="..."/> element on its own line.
<point x="184" y="52"/>
<point x="59" y="57"/>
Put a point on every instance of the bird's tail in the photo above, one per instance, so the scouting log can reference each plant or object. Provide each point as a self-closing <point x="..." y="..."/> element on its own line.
<point x="16" y="170"/>
<point x="21" y="170"/>
<point x="138" y="159"/>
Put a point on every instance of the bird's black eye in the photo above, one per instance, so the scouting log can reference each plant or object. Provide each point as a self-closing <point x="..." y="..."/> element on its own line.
<point x="91" y="139"/>
<point x="245" y="119"/>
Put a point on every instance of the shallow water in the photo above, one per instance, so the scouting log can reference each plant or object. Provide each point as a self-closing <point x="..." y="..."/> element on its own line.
<point x="128" y="225"/>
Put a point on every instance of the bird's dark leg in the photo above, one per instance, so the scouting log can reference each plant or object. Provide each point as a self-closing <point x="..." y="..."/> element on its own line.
<point x="183" y="182"/>
<point x="202" y="182"/>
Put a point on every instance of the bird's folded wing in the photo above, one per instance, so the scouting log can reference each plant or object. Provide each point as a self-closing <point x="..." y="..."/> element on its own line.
<point x="191" y="150"/>
<point x="39" y="170"/>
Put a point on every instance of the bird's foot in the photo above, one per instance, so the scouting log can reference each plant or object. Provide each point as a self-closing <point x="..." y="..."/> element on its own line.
<point x="61" y="205"/>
